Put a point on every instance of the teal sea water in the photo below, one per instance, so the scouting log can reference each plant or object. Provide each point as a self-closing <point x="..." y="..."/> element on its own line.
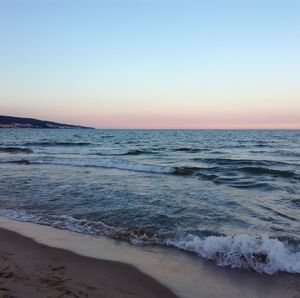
<point x="231" y="196"/>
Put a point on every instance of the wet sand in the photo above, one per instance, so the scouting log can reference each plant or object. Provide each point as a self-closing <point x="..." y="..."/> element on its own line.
<point x="29" y="269"/>
<point x="187" y="275"/>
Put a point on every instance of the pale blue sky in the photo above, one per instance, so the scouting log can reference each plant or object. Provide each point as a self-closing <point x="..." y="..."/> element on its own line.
<point x="142" y="63"/>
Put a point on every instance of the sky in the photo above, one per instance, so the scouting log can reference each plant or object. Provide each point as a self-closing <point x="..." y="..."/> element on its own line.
<point x="152" y="63"/>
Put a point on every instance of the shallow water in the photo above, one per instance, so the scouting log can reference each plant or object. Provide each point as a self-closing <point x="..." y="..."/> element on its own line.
<point x="186" y="275"/>
<point x="232" y="196"/>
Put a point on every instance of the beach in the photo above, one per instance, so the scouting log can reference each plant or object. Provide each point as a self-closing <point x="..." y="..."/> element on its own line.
<point x="47" y="262"/>
<point x="30" y="269"/>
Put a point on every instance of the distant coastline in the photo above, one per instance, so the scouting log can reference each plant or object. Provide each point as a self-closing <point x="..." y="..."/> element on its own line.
<point x="20" y="122"/>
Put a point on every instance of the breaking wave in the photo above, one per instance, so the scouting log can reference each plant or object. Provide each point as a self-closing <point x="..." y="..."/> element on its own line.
<point x="262" y="254"/>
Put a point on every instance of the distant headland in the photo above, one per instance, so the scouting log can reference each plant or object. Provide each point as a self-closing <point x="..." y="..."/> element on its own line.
<point x="20" y="122"/>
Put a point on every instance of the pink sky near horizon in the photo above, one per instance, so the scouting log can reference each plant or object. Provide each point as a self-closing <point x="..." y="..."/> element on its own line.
<point x="163" y="120"/>
<point x="152" y="64"/>
<point x="225" y="108"/>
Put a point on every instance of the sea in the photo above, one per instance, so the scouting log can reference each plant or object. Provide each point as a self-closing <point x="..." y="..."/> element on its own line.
<point x="228" y="196"/>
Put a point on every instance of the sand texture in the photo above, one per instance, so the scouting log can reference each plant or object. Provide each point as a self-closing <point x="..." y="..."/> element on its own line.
<point x="29" y="269"/>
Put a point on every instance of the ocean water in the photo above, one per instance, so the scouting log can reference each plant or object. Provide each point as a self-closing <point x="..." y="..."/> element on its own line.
<point x="230" y="196"/>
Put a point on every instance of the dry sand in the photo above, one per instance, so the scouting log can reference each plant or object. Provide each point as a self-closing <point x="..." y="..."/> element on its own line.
<point x="29" y="269"/>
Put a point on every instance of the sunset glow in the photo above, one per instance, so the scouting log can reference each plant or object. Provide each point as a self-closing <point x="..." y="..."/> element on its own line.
<point x="152" y="64"/>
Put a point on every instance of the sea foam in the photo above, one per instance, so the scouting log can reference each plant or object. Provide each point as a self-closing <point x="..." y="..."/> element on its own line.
<point x="262" y="253"/>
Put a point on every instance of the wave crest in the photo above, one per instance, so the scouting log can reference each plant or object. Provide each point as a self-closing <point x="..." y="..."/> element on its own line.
<point x="54" y="143"/>
<point x="262" y="254"/>
<point x="15" y="150"/>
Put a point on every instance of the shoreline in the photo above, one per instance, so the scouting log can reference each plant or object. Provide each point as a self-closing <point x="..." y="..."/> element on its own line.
<point x="188" y="276"/>
<point x="31" y="269"/>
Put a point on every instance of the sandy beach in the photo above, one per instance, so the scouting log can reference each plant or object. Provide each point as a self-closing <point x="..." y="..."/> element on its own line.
<point x="40" y="261"/>
<point x="30" y="269"/>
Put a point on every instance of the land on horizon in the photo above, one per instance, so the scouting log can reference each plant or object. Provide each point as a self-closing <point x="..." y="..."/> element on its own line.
<point x="21" y="122"/>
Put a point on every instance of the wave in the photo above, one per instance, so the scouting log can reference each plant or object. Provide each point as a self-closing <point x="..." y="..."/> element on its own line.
<point x="15" y="150"/>
<point x="64" y="144"/>
<point x="190" y="150"/>
<point x="20" y="162"/>
<point x="204" y="173"/>
<point x="252" y="167"/>
<point x="286" y="153"/>
<point x="262" y="254"/>
<point x="271" y="172"/>
<point x="264" y="144"/>
<point x="102" y="163"/>
<point x="210" y="173"/>
<point x="128" y="152"/>
<point x="61" y="222"/>
<point x="249" y="184"/>
<point x="185" y="171"/>
<point x="113" y="164"/>
<point x="257" y="151"/>
<point x="92" y="151"/>
<point x="235" y="162"/>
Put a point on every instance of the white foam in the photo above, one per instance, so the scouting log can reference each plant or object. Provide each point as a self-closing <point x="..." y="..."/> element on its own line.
<point x="263" y="254"/>
<point x="62" y="222"/>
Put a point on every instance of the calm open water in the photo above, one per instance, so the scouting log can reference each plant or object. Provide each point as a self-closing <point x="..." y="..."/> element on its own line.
<point x="232" y="196"/>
